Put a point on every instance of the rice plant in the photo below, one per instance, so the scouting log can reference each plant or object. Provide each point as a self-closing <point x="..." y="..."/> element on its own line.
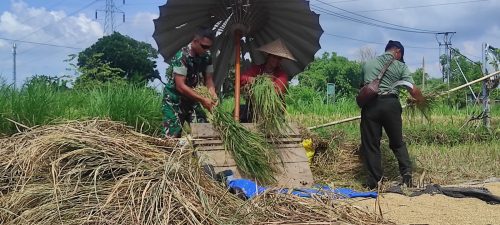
<point x="268" y="106"/>
<point x="253" y="155"/>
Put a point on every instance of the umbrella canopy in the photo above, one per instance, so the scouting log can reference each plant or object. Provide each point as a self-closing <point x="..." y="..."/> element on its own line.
<point x="259" y="22"/>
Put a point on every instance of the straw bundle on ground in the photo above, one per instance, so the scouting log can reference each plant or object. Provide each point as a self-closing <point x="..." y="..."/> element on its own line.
<point x="100" y="172"/>
<point x="268" y="106"/>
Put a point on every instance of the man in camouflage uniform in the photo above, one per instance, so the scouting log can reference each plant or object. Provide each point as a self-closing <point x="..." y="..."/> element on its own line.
<point x="192" y="66"/>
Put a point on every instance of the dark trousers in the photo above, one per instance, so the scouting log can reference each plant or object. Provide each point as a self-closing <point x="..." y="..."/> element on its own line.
<point x="384" y="111"/>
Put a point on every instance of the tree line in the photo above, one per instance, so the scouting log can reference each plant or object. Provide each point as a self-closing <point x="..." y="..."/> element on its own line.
<point x="118" y="58"/>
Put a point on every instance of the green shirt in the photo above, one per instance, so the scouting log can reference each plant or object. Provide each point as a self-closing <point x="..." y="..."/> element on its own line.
<point x="194" y="68"/>
<point x="397" y="71"/>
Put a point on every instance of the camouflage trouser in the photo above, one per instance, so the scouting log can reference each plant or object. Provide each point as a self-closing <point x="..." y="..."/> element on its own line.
<point x="175" y="114"/>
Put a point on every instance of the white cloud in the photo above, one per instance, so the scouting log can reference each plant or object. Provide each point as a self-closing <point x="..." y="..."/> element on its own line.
<point x="143" y="18"/>
<point x="38" y="24"/>
<point x="42" y="25"/>
<point x="471" y="48"/>
<point x="9" y="24"/>
<point x="142" y="26"/>
<point x="3" y="44"/>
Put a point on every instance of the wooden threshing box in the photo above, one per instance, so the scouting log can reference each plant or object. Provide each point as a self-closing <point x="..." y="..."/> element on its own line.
<point x="295" y="172"/>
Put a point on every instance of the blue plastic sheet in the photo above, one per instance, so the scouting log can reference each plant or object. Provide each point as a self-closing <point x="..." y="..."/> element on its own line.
<point x="251" y="189"/>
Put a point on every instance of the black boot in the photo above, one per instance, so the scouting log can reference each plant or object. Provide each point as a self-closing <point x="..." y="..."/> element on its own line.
<point x="407" y="180"/>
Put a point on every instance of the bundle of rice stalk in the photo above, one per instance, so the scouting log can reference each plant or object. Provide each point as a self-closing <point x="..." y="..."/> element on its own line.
<point x="424" y="107"/>
<point x="253" y="155"/>
<point x="268" y="106"/>
<point x="100" y="172"/>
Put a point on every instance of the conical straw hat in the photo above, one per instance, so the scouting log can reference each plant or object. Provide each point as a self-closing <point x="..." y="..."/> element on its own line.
<point x="277" y="48"/>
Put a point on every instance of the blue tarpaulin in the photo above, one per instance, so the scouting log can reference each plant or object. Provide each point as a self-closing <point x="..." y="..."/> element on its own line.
<point x="251" y="189"/>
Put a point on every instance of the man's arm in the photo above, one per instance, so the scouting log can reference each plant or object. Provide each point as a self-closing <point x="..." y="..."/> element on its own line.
<point x="416" y="94"/>
<point x="209" y="82"/>
<point x="183" y="89"/>
<point x="413" y="90"/>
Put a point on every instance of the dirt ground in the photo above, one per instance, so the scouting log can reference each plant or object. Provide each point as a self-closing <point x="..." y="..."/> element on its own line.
<point x="437" y="209"/>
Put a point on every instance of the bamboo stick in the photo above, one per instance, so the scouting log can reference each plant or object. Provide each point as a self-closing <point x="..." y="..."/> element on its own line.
<point x="335" y="123"/>
<point x="470" y="83"/>
<point x="441" y="94"/>
<point x="237" y="67"/>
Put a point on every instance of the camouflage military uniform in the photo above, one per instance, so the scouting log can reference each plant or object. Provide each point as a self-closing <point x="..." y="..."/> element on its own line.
<point x="176" y="108"/>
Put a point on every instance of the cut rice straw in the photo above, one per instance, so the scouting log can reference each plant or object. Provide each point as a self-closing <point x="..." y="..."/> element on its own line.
<point x="102" y="172"/>
<point x="253" y="155"/>
<point x="268" y="106"/>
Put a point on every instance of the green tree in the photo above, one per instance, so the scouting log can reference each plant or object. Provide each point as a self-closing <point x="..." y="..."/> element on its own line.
<point x="57" y="83"/>
<point x="96" y="72"/>
<point x="471" y="70"/>
<point x="417" y="76"/>
<point x="331" y="68"/>
<point x="135" y="59"/>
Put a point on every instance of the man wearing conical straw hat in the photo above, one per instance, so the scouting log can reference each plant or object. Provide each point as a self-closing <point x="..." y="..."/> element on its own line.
<point x="276" y="52"/>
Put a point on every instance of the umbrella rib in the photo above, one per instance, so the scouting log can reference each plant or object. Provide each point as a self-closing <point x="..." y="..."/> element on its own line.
<point x="222" y="14"/>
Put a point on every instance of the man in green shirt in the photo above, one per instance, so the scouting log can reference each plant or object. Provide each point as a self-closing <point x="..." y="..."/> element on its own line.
<point x="385" y="111"/>
<point x="192" y="66"/>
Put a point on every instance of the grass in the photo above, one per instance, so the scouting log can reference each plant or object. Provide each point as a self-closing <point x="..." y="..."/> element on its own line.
<point x="459" y="163"/>
<point x="40" y="104"/>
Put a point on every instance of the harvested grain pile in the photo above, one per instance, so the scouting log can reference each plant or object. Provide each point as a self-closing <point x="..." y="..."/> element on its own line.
<point x="100" y="172"/>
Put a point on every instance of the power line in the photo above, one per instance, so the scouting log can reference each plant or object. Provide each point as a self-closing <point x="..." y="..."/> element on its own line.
<point x="52" y="23"/>
<point x="72" y="13"/>
<point x="342" y="16"/>
<point x="343" y="1"/>
<point x="455" y="51"/>
<point x="392" y="26"/>
<point x="421" y="6"/>
<point x="110" y="11"/>
<point x="38" y="43"/>
<point x="374" y="42"/>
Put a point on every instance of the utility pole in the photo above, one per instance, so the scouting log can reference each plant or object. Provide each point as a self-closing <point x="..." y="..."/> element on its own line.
<point x="447" y="48"/>
<point x="485" y="91"/>
<point x="14" y="76"/>
<point x="109" y="20"/>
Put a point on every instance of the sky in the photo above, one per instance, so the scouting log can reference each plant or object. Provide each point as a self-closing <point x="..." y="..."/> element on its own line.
<point x="69" y="26"/>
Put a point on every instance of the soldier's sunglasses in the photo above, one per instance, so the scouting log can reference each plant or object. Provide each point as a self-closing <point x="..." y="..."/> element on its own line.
<point x="205" y="46"/>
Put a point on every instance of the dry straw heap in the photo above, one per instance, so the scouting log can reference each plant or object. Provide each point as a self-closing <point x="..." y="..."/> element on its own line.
<point x="101" y="172"/>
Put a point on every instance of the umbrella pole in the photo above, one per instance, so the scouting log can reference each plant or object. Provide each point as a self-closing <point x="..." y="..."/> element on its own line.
<point x="237" y="76"/>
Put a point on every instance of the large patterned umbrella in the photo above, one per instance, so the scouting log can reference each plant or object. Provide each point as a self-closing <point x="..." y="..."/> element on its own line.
<point x="242" y="26"/>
